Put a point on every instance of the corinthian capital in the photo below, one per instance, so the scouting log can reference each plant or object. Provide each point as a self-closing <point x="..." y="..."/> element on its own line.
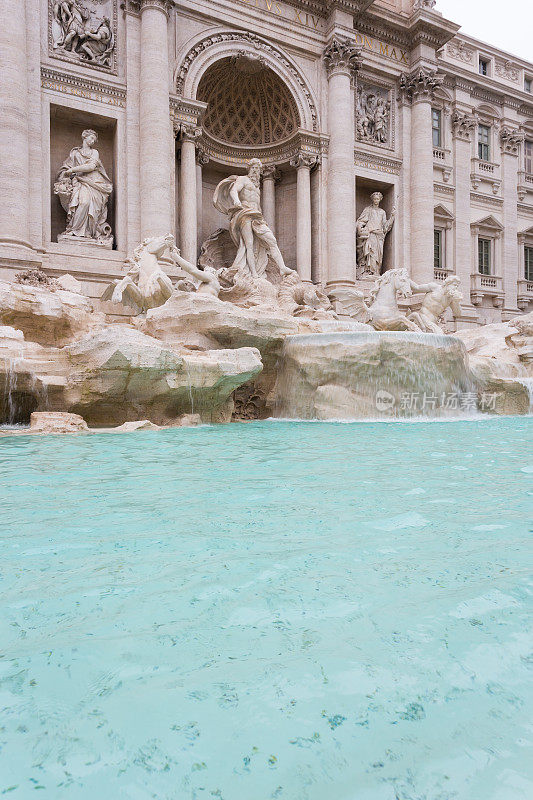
<point x="510" y="141"/>
<point x="162" y="5"/>
<point x="342" y="56"/>
<point x="420" y="86"/>
<point x="463" y="125"/>
<point x="187" y="131"/>
<point x="303" y="159"/>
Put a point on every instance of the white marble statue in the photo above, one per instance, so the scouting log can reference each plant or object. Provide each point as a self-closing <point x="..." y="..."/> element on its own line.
<point x="206" y="278"/>
<point x="83" y="187"/>
<point x="147" y="285"/>
<point x="372" y="227"/>
<point x="438" y="298"/>
<point x="239" y="197"/>
<point x="382" y="312"/>
<point x="77" y="37"/>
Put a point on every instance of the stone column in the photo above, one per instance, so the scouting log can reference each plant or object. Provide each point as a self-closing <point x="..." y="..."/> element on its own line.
<point x="14" y="127"/>
<point x="510" y="141"/>
<point x="154" y="117"/>
<point x="270" y="176"/>
<point x="341" y="58"/>
<point x="201" y="160"/>
<point x="188" y="211"/>
<point x="463" y="128"/>
<point x="418" y="89"/>
<point x="303" y="163"/>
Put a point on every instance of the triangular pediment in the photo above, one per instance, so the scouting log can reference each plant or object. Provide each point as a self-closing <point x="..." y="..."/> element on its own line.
<point x="441" y="212"/>
<point x="488" y="223"/>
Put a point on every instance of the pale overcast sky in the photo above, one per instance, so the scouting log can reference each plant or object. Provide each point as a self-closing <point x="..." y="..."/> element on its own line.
<point x="504" y="23"/>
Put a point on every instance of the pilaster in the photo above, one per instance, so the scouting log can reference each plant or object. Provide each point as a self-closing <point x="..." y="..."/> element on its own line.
<point x="418" y="90"/>
<point x="342" y="58"/>
<point x="510" y="141"/>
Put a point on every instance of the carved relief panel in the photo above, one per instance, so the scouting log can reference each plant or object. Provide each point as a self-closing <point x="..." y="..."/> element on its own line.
<point x="84" y="32"/>
<point x="374" y="115"/>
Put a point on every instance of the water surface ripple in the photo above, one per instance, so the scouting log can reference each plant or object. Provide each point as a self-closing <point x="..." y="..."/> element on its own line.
<point x="298" y="611"/>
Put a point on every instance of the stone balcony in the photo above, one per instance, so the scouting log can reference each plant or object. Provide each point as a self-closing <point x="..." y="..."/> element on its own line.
<point x="486" y="286"/>
<point x="485" y="171"/>
<point x="442" y="161"/>
<point x="441" y="274"/>
<point x="525" y="294"/>
<point x="525" y="185"/>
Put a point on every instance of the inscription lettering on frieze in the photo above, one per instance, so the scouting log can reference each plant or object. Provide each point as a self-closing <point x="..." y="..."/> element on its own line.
<point x="393" y="52"/>
<point x="290" y="13"/>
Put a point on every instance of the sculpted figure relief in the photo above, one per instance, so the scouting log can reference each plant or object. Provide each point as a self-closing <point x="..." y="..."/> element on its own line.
<point x="372" y="227"/>
<point x="83" y="188"/>
<point x="373" y="115"/>
<point x="438" y="298"/>
<point x="79" y="37"/>
<point x="239" y="197"/>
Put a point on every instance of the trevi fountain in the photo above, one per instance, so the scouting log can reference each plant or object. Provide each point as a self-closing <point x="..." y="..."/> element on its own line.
<point x="326" y="602"/>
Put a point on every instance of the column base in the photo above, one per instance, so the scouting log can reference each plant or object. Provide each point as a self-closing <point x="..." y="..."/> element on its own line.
<point x="341" y="283"/>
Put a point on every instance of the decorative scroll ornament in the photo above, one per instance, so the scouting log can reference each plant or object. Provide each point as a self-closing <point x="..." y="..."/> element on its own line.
<point x="420" y="85"/>
<point x="507" y="70"/>
<point x="342" y="55"/>
<point x="461" y="51"/>
<point x="188" y="132"/>
<point x="463" y="125"/>
<point x="420" y="4"/>
<point x="510" y="141"/>
<point x="84" y="33"/>
<point x="373" y="115"/>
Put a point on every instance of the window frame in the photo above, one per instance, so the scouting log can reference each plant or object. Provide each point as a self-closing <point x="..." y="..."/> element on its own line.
<point x="528" y="84"/>
<point x="483" y="240"/>
<point x="484" y="66"/>
<point x="484" y="148"/>
<point x="436" y="113"/>
<point x="528" y="263"/>
<point x="528" y="156"/>
<point x="441" y="232"/>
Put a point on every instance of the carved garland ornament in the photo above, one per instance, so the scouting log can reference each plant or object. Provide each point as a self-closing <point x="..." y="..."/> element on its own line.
<point x="258" y="44"/>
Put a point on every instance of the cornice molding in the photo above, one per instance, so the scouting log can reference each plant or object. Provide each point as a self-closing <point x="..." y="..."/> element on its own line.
<point x="81" y="86"/>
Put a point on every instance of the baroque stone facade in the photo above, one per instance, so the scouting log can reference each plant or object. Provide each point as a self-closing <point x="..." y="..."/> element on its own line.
<point x="337" y="103"/>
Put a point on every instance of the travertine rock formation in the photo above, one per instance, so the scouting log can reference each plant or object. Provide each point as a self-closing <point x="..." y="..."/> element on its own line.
<point x="48" y="317"/>
<point x="56" y="422"/>
<point x="368" y="374"/>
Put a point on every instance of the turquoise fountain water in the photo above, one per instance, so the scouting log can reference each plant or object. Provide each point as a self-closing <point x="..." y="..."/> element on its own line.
<point x="303" y="611"/>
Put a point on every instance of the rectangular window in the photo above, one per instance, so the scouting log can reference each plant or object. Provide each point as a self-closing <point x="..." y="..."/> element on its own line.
<point x="438" y="261"/>
<point x="528" y="85"/>
<point x="528" y="261"/>
<point x="483" y="142"/>
<point x="528" y="157"/>
<point x="436" y="124"/>
<point x="484" y="254"/>
<point x="483" y="66"/>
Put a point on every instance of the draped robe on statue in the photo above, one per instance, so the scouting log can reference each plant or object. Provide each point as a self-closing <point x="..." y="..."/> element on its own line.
<point x="237" y="217"/>
<point x="372" y="227"/>
<point x="87" y="205"/>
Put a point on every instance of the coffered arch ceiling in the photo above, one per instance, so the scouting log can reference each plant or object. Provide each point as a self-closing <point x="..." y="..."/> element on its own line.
<point x="247" y="103"/>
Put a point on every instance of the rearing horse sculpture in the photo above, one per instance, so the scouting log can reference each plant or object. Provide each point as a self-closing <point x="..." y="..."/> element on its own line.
<point x="383" y="312"/>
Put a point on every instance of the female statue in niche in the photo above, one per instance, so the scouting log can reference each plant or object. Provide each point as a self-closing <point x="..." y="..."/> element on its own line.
<point x="83" y="187"/>
<point x="372" y="227"/>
